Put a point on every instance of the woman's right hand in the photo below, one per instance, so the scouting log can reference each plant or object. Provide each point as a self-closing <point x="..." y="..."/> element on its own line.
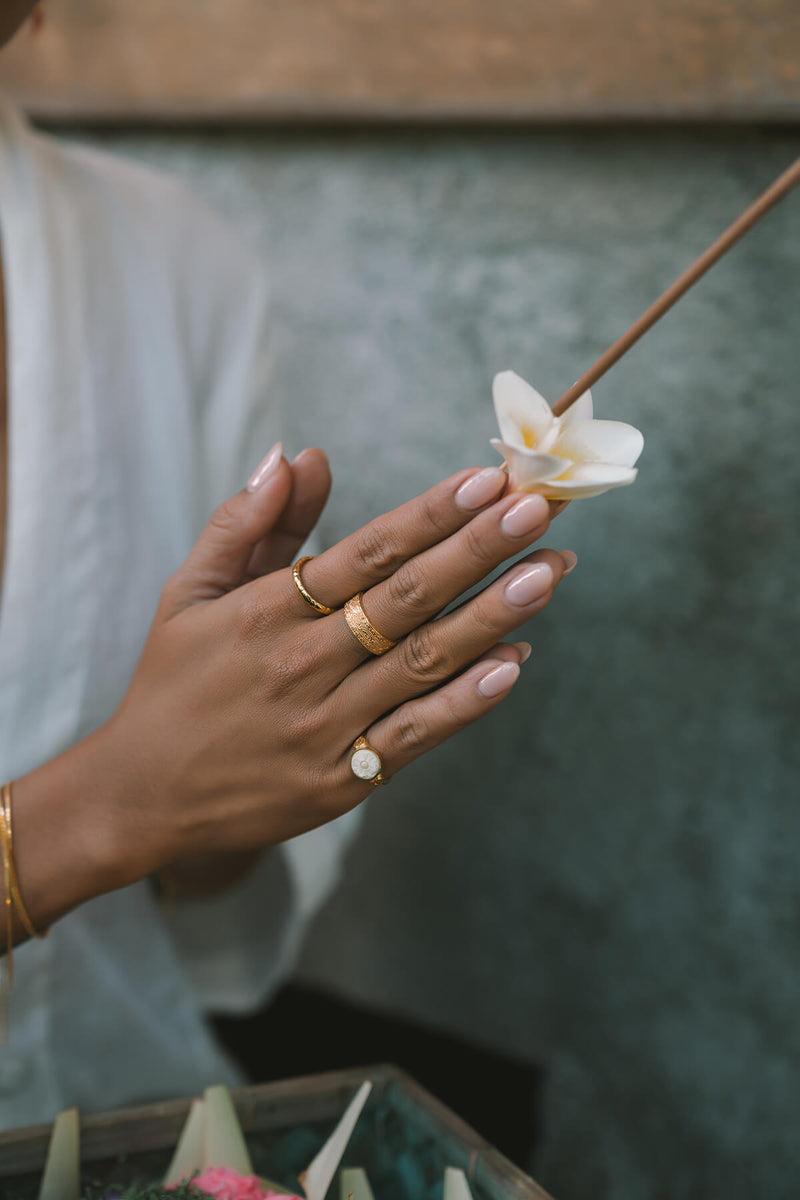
<point x="238" y="726"/>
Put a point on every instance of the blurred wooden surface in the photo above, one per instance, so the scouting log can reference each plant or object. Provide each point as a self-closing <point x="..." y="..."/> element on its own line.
<point x="408" y="59"/>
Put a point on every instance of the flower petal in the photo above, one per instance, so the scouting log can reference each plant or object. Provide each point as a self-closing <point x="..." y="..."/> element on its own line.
<point x="523" y="415"/>
<point x="526" y="467"/>
<point x="587" y="479"/>
<point x="581" y="410"/>
<point x="600" y="442"/>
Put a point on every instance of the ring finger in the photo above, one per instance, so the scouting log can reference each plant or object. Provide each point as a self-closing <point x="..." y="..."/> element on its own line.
<point x="438" y="650"/>
<point x="424" y="585"/>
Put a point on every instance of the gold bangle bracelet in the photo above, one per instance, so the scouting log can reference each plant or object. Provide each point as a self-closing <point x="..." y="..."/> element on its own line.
<point x="12" y="882"/>
<point x="8" y="981"/>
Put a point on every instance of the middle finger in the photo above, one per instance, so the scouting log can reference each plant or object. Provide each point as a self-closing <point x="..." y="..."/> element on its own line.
<point x="427" y="583"/>
<point x="435" y="652"/>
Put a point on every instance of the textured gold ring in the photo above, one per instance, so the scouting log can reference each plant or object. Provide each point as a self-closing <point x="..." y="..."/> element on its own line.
<point x="366" y="764"/>
<point x="362" y="628"/>
<point x="309" y="599"/>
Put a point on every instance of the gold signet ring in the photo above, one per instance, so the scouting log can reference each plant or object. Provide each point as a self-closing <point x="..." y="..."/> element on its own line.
<point x="309" y="599"/>
<point x="362" y="628"/>
<point x="366" y="764"/>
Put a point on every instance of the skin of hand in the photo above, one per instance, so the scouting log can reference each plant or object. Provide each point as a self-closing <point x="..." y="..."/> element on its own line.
<point x="206" y="875"/>
<point x="236" y="731"/>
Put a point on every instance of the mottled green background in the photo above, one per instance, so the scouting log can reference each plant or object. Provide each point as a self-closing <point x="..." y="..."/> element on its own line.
<point x="604" y="876"/>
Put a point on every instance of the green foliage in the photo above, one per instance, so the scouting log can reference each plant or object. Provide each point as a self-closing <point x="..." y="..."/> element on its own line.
<point x="146" y="1191"/>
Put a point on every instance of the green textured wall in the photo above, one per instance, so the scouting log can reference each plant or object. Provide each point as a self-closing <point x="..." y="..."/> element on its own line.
<point x="604" y="876"/>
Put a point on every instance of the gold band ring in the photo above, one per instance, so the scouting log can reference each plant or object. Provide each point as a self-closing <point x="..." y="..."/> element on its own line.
<point x="309" y="599"/>
<point x="362" y="628"/>
<point x="366" y="764"/>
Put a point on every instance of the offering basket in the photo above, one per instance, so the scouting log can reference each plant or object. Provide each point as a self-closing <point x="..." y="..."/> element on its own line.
<point x="404" y="1140"/>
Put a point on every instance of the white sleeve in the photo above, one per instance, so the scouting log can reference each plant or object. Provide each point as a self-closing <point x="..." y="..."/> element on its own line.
<point x="237" y="948"/>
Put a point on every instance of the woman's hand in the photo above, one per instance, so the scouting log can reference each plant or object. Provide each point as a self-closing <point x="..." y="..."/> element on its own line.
<point x="239" y="722"/>
<point x="237" y="728"/>
<point x="205" y="875"/>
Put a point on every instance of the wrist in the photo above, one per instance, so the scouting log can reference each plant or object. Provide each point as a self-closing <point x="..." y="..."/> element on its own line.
<point x="69" y="842"/>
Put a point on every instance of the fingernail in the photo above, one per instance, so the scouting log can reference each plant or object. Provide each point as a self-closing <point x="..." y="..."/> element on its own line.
<point x="265" y="468"/>
<point x="525" y="649"/>
<point x="499" y="680"/>
<point x="480" y="489"/>
<point x="570" y="560"/>
<point x="527" y="515"/>
<point x="530" y="584"/>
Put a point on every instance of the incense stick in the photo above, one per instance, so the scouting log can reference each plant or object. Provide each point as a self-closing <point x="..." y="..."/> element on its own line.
<point x="782" y="185"/>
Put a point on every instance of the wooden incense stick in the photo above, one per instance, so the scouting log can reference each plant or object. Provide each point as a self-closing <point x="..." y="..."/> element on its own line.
<point x="782" y="185"/>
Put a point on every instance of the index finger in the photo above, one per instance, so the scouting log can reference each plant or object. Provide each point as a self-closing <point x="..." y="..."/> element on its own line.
<point x="375" y="551"/>
<point x="311" y="485"/>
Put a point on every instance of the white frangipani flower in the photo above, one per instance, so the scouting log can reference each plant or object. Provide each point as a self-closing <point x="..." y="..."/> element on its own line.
<point x="566" y="457"/>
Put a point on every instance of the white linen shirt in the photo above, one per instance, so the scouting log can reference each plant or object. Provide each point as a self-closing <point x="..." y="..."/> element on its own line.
<point x="137" y="384"/>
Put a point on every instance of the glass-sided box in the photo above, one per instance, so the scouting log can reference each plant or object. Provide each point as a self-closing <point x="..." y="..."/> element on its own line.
<point x="404" y="1139"/>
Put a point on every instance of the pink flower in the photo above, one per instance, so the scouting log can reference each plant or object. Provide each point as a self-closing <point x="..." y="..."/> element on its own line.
<point x="230" y="1185"/>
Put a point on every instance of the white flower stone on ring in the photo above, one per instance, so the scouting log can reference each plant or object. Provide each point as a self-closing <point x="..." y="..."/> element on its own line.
<point x="565" y="457"/>
<point x="366" y="764"/>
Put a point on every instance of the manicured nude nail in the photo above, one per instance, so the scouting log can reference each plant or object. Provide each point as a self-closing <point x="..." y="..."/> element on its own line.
<point x="265" y="468"/>
<point x="527" y="515"/>
<point x="532" y="582"/>
<point x="570" y="560"/>
<point x="480" y="489"/>
<point x="525" y="649"/>
<point x="499" y="680"/>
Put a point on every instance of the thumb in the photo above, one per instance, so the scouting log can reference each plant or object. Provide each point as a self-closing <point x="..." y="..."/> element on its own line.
<point x="218" y="561"/>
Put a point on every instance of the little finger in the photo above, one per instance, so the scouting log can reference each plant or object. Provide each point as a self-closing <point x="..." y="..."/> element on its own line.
<point x="420" y="725"/>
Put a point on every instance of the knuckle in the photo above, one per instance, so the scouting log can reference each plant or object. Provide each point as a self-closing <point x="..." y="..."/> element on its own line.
<point x="412" y="591"/>
<point x="411" y="733"/>
<point x="456" y="717"/>
<point x="283" y="674"/>
<point x="478" y="549"/>
<point x="375" y="551"/>
<point x="225" y="516"/>
<point x="435" y="518"/>
<point x="251" y="618"/>
<point x="425" y="658"/>
<point x="306" y="723"/>
<point x="314" y="789"/>
<point x="484" y="615"/>
<point x="170" y="592"/>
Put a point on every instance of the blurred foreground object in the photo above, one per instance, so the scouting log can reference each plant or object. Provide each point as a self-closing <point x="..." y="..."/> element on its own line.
<point x="463" y="59"/>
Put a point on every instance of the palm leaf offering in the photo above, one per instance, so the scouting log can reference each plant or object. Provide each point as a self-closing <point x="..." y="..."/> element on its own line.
<point x="211" y="1162"/>
<point x="62" y="1169"/>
